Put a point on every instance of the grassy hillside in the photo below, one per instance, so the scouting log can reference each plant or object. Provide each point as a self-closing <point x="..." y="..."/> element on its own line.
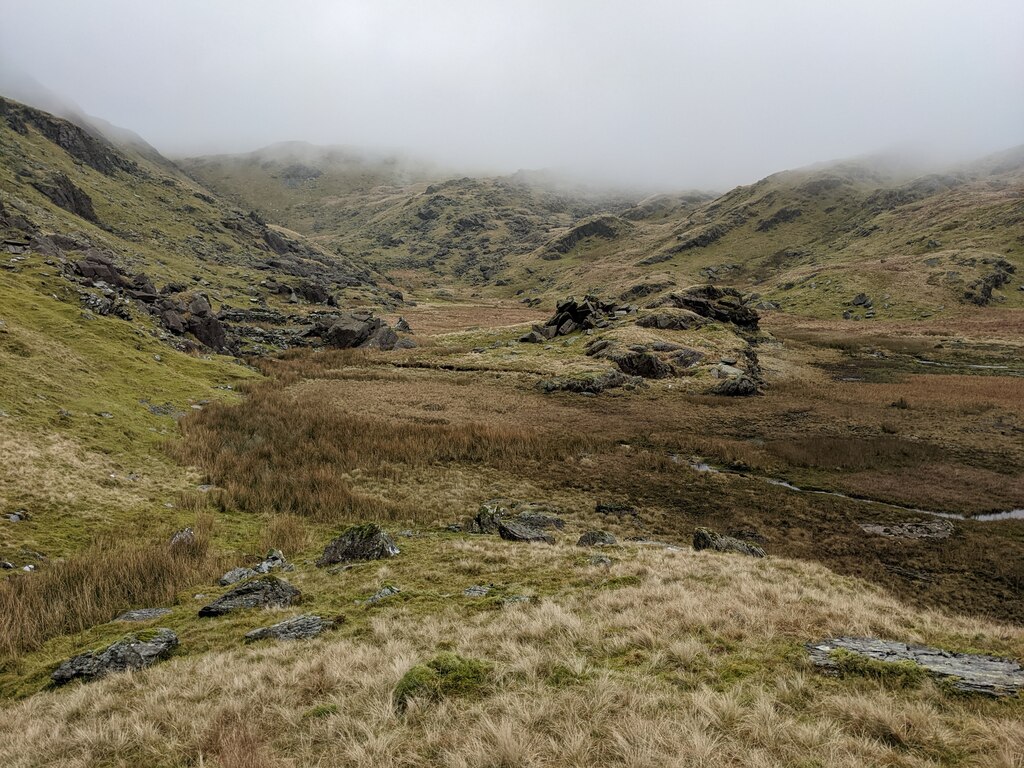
<point x="809" y="240"/>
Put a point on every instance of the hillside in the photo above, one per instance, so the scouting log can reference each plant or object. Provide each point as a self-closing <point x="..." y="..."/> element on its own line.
<point x="810" y="240"/>
<point x="635" y="528"/>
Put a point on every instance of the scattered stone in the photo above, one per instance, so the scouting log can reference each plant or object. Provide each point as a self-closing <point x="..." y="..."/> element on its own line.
<point x="706" y="539"/>
<point x="6" y="565"/>
<point x="923" y="529"/>
<point x="360" y="542"/>
<point x="382" y="594"/>
<point x="403" y="325"/>
<point x="596" y="539"/>
<point x="297" y="628"/>
<point x="476" y="591"/>
<point x="514" y="531"/>
<point x="601" y="560"/>
<point x="516" y="599"/>
<point x="143" y="614"/>
<point x="262" y="592"/>
<point x="131" y="652"/>
<point x="967" y="672"/>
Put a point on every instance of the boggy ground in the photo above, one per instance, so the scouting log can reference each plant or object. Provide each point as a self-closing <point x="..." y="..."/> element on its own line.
<point x="345" y="435"/>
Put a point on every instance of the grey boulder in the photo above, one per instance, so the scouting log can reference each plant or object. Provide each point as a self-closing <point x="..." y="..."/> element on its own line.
<point x="707" y="539"/>
<point x="297" y="628"/>
<point x="130" y="652"/>
<point x="360" y="542"/>
<point x="262" y="592"/>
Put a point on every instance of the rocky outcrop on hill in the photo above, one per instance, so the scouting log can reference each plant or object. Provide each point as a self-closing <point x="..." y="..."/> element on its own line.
<point x="131" y="652"/>
<point x="725" y="305"/>
<point x="62" y="192"/>
<point x="606" y="227"/>
<point x="572" y="316"/>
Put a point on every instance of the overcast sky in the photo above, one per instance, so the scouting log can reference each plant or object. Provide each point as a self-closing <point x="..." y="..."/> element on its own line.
<point x="675" y="93"/>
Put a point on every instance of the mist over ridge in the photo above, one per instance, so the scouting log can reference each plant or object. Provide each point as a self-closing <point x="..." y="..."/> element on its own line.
<point x="656" y="94"/>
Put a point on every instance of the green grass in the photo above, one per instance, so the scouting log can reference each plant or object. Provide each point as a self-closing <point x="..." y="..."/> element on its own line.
<point x="445" y="675"/>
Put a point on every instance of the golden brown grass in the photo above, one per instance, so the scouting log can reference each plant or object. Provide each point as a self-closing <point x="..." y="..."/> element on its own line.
<point x="92" y="586"/>
<point x="682" y="658"/>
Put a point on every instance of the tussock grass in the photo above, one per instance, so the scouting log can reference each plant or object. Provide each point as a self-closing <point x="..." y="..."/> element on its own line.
<point x="697" y="660"/>
<point x="92" y="586"/>
<point x="282" y="451"/>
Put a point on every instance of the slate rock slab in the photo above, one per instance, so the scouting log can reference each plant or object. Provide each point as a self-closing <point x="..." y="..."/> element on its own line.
<point x="130" y="652"/>
<point x="967" y="672"/>
<point x="383" y="594"/>
<point x="707" y="539"/>
<point x="143" y="614"/>
<point x="262" y="592"/>
<point x="297" y="628"/>
<point x="360" y="542"/>
<point x="477" y="590"/>
<point x="511" y="530"/>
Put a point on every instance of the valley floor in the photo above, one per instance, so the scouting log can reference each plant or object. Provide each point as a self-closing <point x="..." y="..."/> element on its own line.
<point x="643" y="654"/>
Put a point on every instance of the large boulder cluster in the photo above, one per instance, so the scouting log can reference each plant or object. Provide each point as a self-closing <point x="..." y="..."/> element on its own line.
<point x="724" y="305"/>
<point x="572" y="316"/>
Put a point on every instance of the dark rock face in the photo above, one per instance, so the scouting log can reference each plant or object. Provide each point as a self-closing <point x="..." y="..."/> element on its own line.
<point x="511" y="530"/>
<point x="970" y="673"/>
<point x="209" y="330"/>
<point x="724" y="305"/>
<point x="360" y="542"/>
<point x="706" y="539"/>
<point x="781" y="216"/>
<point x="95" y="265"/>
<point x="131" y="652"/>
<point x="606" y="227"/>
<point x="298" y="628"/>
<point x="571" y="316"/>
<point x="264" y="592"/>
<point x="596" y="539"/>
<point x="63" y="193"/>
<point x="351" y="329"/>
<point x="77" y="142"/>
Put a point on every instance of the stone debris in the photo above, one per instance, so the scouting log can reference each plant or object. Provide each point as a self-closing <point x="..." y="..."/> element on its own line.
<point x="596" y="539"/>
<point x="967" y="672"/>
<point x="477" y="590"/>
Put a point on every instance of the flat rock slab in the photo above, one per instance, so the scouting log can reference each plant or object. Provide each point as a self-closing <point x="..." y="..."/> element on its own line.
<point x="130" y="652"/>
<point x="925" y="529"/>
<point x="143" y="614"/>
<point x="298" y="628"/>
<point x="263" y="592"/>
<point x="513" y="531"/>
<point x="967" y="672"/>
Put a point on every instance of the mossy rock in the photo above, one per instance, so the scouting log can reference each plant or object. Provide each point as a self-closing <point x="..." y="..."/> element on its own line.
<point x="447" y="674"/>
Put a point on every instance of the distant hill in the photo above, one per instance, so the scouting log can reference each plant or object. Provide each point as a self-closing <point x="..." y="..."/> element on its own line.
<point x="809" y="240"/>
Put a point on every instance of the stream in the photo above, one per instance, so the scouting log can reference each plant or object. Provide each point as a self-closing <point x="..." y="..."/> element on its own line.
<point x="700" y="466"/>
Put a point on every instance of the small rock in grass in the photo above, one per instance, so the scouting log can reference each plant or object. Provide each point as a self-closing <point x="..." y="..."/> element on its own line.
<point x="513" y="531"/>
<point x="143" y="614"/>
<point x="382" y="594"/>
<point x="596" y="539"/>
<point x="477" y="590"/>
<point x="297" y="628"/>
<point x="707" y="539"/>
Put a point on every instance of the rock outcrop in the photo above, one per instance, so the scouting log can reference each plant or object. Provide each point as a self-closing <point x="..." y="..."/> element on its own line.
<point x="724" y="305"/>
<point x="360" y="542"/>
<point x="596" y="539"/>
<point x="262" y="592"/>
<point x="707" y="539"/>
<point x="135" y="651"/>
